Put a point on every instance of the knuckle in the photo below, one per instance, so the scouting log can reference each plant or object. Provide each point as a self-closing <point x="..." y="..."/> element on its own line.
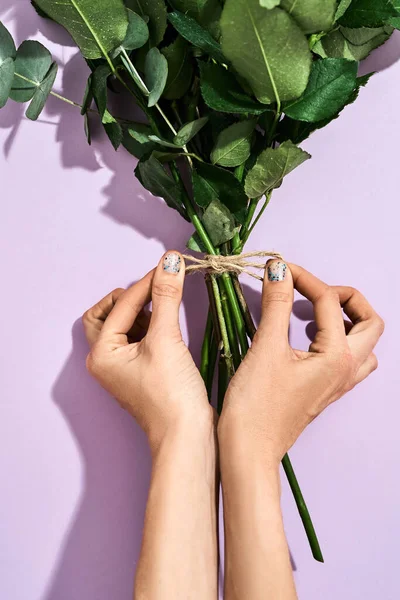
<point x="380" y="325"/>
<point x="165" y="290"/>
<point x="374" y="363"/>
<point x="270" y="297"/>
<point x="95" y="360"/>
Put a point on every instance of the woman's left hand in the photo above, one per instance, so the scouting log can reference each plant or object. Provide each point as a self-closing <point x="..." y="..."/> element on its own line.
<point x="141" y="358"/>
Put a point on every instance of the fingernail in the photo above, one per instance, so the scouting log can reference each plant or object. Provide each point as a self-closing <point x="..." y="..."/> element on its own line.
<point x="276" y="270"/>
<point x="172" y="262"/>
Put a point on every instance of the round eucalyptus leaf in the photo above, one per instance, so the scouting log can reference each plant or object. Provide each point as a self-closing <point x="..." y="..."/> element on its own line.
<point x="7" y="46"/>
<point x="41" y="94"/>
<point x="137" y="33"/>
<point x="32" y="64"/>
<point x="6" y="79"/>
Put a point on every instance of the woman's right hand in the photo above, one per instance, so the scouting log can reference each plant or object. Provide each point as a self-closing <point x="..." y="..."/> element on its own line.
<point x="278" y="391"/>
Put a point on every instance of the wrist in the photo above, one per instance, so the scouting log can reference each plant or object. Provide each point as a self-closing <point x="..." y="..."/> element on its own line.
<point x="240" y="444"/>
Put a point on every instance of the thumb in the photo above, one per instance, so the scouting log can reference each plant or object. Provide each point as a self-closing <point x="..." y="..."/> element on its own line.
<point x="277" y="301"/>
<point x="166" y="293"/>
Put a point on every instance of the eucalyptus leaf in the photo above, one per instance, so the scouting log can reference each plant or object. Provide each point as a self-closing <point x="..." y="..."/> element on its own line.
<point x="331" y="82"/>
<point x="39" y="11"/>
<point x="271" y="167"/>
<point x="154" y="178"/>
<point x="137" y="33"/>
<point x="156" y="12"/>
<point x="113" y="129"/>
<point x="195" y="243"/>
<point x="189" y="29"/>
<point x="233" y="144"/>
<point x="368" y="13"/>
<point x="219" y="222"/>
<point x="31" y="66"/>
<point x="338" y="45"/>
<point x="311" y="15"/>
<point x="136" y="143"/>
<point x="41" y="94"/>
<point x="253" y="38"/>
<point x="87" y="96"/>
<point x="7" y="46"/>
<point x="86" y="128"/>
<point x="180" y="68"/>
<point x="97" y="26"/>
<point x="222" y="92"/>
<point x="161" y="142"/>
<point x="189" y="130"/>
<point x="6" y="80"/>
<point x="99" y="87"/>
<point x="202" y="11"/>
<point x="156" y="73"/>
<point x="221" y="184"/>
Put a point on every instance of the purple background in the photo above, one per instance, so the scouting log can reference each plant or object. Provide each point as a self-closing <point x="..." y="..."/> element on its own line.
<point x="75" y="224"/>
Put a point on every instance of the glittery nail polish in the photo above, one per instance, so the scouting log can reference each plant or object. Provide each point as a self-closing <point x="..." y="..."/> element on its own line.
<point x="172" y="263"/>
<point x="276" y="271"/>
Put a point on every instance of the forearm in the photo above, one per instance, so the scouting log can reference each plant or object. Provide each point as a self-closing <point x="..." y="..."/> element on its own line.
<point x="179" y="553"/>
<point x="257" y="560"/>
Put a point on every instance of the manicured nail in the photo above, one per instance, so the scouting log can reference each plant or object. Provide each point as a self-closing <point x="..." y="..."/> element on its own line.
<point x="276" y="271"/>
<point x="172" y="262"/>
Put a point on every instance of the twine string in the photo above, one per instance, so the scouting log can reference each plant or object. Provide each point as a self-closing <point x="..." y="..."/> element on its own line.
<point x="235" y="263"/>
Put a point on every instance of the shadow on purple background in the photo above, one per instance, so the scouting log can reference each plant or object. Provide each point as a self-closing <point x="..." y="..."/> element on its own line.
<point x="114" y="450"/>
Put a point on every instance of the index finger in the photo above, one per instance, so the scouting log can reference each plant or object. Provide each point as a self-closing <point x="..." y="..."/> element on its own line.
<point x="368" y="325"/>
<point x="327" y="310"/>
<point x="127" y="308"/>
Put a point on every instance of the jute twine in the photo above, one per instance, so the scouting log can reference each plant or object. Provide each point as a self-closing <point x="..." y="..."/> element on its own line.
<point x="235" y="263"/>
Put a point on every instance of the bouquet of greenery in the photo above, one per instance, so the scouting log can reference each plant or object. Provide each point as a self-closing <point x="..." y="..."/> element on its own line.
<point x="227" y="90"/>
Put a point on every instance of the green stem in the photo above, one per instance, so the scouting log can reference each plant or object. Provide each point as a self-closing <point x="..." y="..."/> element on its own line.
<point x="236" y="312"/>
<point x="208" y="355"/>
<point x="223" y="329"/>
<point x="233" y="341"/>
<point x="254" y="223"/>
<point x="302" y="508"/>
<point x="243" y="232"/>
<point x="250" y="327"/>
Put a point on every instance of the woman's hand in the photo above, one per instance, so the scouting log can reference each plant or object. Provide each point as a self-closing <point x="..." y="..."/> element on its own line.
<point x="278" y="391"/>
<point x="141" y="359"/>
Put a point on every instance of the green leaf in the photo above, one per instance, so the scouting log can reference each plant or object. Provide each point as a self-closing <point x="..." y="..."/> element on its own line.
<point x="136" y="140"/>
<point x="341" y="9"/>
<point x="97" y="26"/>
<point x="86" y="128"/>
<point x="234" y="144"/>
<point x="195" y="243"/>
<point x="368" y="13"/>
<point x="99" y="87"/>
<point x="297" y="131"/>
<point x="87" y="96"/>
<point x="6" y="80"/>
<point x="222" y="184"/>
<point x="189" y="130"/>
<point x="189" y="29"/>
<point x="203" y="192"/>
<point x="156" y="73"/>
<point x="41" y="94"/>
<point x="222" y="92"/>
<point x="7" y="46"/>
<point x="154" y="177"/>
<point x="31" y="66"/>
<point x="113" y="129"/>
<point x="180" y="69"/>
<point x="331" y="82"/>
<point x="137" y="33"/>
<point x="202" y="11"/>
<point x="336" y="45"/>
<point x="271" y="167"/>
<point x="311" y="15"/>
<point x="219" y="222"/>
<point x="156" y="11"/>
<point x="253" y="39"/>
<point x="161" y="142"/>
<point x="269" y="3"/>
